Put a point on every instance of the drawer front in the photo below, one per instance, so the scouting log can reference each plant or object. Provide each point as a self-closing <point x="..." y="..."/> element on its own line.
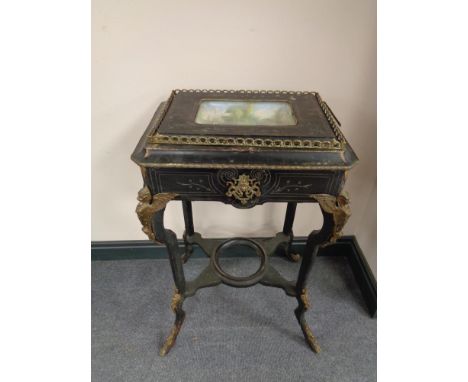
<point x="245" y="188"/>
<point x="302" y="184"/>
<point x="198" y="183"/>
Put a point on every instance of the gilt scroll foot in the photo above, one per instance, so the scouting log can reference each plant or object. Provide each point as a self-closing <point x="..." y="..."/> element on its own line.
<point x="176" y="306"/>
<point x="294" y="257"/>
<point x="304" y="304"/>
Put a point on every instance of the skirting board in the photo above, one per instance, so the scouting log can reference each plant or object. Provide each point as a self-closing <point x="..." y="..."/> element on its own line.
<point x="346" y="246"/>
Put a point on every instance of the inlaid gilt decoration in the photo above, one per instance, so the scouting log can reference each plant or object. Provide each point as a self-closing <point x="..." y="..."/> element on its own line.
<point x="243" y="188"/>
<point x="148" y="205"/>
<point x="338" y="206"/>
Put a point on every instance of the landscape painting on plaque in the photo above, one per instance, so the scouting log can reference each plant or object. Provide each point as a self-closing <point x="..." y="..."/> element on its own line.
<point x="245" y="113"/>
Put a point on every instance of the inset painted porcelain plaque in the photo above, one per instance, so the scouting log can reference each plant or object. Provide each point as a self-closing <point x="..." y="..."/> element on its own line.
<point x="245" y="113"/>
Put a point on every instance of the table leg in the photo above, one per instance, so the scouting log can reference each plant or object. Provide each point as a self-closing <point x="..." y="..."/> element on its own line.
<point x="150" y="211"/>
<point x="189" y="230"/>
<point x="287" y="230"/>
<point x="335" y="211"/>
<point x="175" y="257"/>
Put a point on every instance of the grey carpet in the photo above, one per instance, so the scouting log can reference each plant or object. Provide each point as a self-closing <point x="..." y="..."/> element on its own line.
<point x="229" y="334"/>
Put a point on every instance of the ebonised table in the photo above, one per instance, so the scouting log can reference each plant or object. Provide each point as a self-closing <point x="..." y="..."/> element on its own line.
<point x="243" y="148"/>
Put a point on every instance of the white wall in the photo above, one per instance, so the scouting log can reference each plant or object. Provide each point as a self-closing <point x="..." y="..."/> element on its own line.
<point x="141" y="50"/>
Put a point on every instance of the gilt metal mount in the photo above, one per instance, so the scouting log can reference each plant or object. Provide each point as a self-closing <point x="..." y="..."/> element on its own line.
<point x="243" y="188"/>
<point x="338" y="207"/>
<point x="148" y="205"/>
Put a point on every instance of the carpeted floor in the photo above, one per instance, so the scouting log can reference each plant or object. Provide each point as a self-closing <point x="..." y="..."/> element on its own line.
<point x="229" y="334"/>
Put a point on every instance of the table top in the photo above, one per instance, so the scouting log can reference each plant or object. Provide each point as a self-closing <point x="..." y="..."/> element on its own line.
<point x="244" y="129"/>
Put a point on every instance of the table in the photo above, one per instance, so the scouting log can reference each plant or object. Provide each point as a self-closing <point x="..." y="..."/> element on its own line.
<point x="243" y="148"/>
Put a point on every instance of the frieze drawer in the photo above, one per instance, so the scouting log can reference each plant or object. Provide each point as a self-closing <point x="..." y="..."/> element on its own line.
<point x="299" y="184"/>
<point x="184" y="182"/>
<point x="246" y="187"/>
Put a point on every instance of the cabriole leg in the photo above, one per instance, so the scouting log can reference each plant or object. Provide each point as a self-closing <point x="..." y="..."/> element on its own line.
<point x="150" y="211"/>
<point x="335" y="212"/>
<point x="175" y="257"/>
<point x="301" y="291"/>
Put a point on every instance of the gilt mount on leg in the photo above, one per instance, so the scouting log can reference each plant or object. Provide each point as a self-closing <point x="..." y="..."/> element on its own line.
<point x="148" y="205"/>
<point x="176" y="306"/>
<point x="338" y="207"/>
<point x="304" y="305"/>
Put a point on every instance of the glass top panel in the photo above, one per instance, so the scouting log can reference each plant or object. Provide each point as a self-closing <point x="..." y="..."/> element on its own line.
<point x="245" y="113"/>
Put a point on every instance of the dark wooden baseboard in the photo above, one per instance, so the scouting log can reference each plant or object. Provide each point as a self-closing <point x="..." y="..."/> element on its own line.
<point x="349" y="247"/>
<point x="346" y="246"/>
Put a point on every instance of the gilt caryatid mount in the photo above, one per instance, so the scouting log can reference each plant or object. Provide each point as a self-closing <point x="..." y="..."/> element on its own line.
<point x="243" y="148"/>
